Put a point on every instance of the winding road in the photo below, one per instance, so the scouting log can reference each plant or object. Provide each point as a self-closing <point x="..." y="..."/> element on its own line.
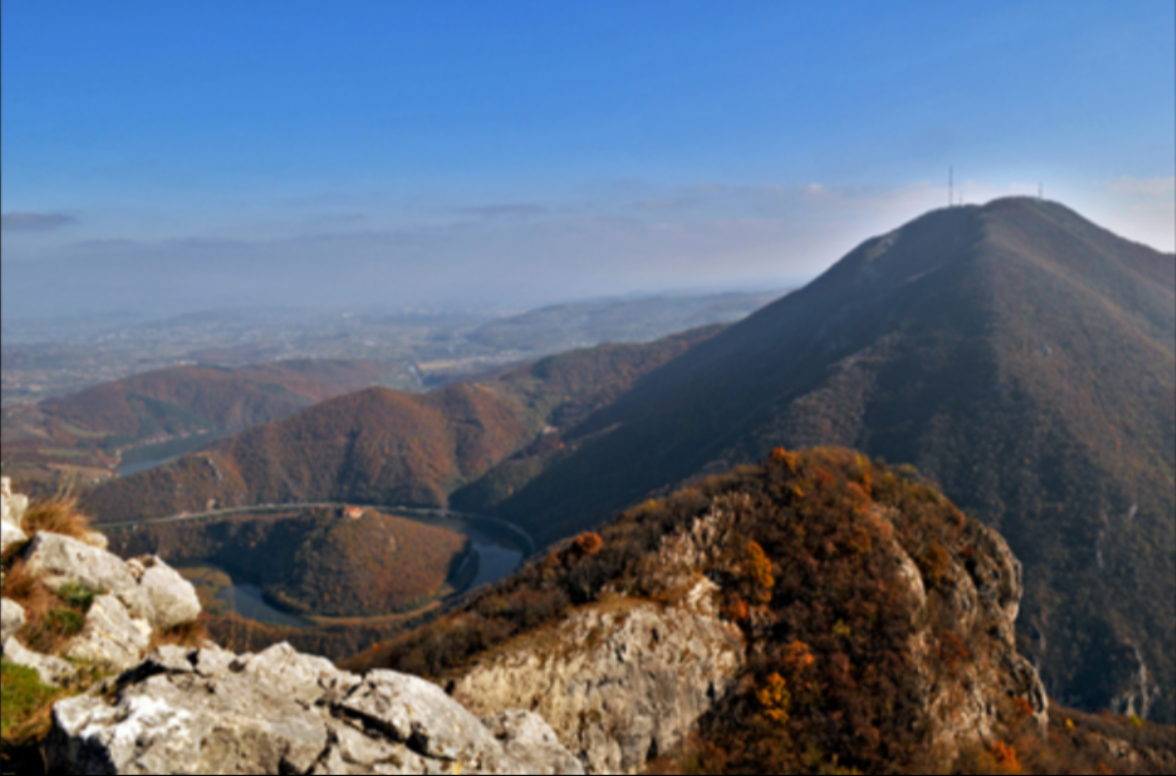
<point x="527" y="540"/>
<point x="522" y="538"/>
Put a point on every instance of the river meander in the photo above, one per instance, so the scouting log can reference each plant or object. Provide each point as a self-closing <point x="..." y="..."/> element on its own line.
<point x="494" y="552"/>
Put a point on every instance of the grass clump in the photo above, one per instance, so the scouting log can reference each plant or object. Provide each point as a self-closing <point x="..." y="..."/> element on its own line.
<point x="25" y="712"/>
<point x="51" y="618"/>
<point x="78" y="596"/>
<point x="64" y="622"/>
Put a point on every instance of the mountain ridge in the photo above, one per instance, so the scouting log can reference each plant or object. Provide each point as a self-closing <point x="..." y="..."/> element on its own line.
<point x="1039" y="404"/>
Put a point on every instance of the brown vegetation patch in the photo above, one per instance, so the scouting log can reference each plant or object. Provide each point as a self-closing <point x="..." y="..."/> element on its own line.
<point x="189" y="634"/>
<point x="57" y="514"/>
<point x="314" y="561"/>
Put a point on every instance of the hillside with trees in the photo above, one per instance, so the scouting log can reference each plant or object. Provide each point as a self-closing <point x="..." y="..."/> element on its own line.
<point x="1019" y="355"/>
<point x="380" y="446"/>
<point x="859" y="595"/>
<point x="316" y="561"/>
<point x="167" y="411"/>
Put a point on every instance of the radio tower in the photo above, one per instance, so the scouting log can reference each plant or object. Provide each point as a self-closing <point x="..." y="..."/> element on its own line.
<point x="949" y="185"/>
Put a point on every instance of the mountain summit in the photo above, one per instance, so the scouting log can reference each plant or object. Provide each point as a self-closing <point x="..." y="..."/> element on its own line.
<point x="1016" y="353"/>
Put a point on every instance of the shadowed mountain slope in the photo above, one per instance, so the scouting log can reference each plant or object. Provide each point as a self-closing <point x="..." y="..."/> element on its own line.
<point x="381" y="446"/>
<point x="1017" y="354"/>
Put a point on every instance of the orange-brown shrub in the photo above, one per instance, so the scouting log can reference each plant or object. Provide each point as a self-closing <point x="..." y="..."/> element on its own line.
<point x="774" y="698"/>
<point x="589" y="543"/>
<point x="1006" y="757"/>
<point x="758" y="569"/>
<point x="798" y="658"/>
<point x="735" y="609"/>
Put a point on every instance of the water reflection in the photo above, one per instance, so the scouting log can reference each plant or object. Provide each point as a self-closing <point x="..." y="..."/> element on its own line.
<point x="496" y="560"/>
<point x="247" y="601"/>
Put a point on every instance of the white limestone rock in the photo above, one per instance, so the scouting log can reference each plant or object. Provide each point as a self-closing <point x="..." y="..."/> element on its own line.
<point x="12" y="618"/>
<point x="10" y="535"/>
<point x="279" y="711"/>
<point x="149" y="588"/>
<point x="530" y="740"/>
<point x="615" y="682"/>
<point x="96" y="539"/>
<point x="176" y="722"/>
<point x="111" y="638"/>
<point x="306" y="678"/>
<point x="173" y="598"/>
<point x="409" y="709"/>
<point x="59" y="560"/>
<point x="53" y="671"/>
<point x="12" y="507"/>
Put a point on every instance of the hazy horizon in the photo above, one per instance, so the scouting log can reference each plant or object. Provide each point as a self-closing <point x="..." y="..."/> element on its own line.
<point x="174" y="158"/>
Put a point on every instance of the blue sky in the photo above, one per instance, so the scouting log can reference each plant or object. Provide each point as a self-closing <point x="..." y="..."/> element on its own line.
<point x="470" y="152"/>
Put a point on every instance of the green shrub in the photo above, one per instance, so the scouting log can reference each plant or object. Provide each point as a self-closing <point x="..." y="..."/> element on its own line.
<point x="78" y="596"/>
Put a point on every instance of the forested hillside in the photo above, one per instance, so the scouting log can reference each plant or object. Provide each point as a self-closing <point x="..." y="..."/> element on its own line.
<point x="819" y="613"/>
<point x="1018" y="354"/>
<point x="161" y="413"/>
<point x="381" y="446"/>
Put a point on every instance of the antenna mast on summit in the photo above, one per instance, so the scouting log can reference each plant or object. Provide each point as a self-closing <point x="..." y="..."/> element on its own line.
<point x="949" y="186"/>
<point x="1040" y="190"/>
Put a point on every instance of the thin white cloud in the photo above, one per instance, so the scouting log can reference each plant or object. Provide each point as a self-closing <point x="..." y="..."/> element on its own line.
<point x="508" y="210"/>
<point x="33" y="222"/>
<point x="1144" y="187"/>
<point x="729" y="235"/>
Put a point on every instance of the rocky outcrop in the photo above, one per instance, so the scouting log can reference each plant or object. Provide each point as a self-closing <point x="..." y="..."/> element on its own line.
<point x="132" y="601"/>
<point x="210" y="711"/>
<point x="148" y="588"/>
<point x="60" y="560"/>
<point x="628" y="678"/>
<point x="173" y="599"/>
<point x="12" y="509"/>
<point x="12" y="619"/>
<point x="10" y="536"/>
<point x="980" y="599"/>
<point x="604" y="688"/>
<point x="529" y="739"/>
<point x="110" y="636"/>
<point x="12" y="505"/>
<point x="53" y="671"/>
<point x="620" y="681"/>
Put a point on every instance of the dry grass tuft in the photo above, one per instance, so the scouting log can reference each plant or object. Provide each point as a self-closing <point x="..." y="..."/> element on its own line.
<point x="19" y="583"/>
<point x="47" y="628"/>
<point x="192" y="634"/>
<point x="57" y="514"/>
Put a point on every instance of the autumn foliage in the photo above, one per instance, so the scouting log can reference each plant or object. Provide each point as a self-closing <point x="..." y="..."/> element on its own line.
<point x="588" y="543"/>
<point x="774" y="698"/>
<point x="830" y="684"/>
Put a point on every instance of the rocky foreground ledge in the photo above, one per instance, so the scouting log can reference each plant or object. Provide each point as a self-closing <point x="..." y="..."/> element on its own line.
<point x="188" y="710"/>
<point x="280" y="711"/>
